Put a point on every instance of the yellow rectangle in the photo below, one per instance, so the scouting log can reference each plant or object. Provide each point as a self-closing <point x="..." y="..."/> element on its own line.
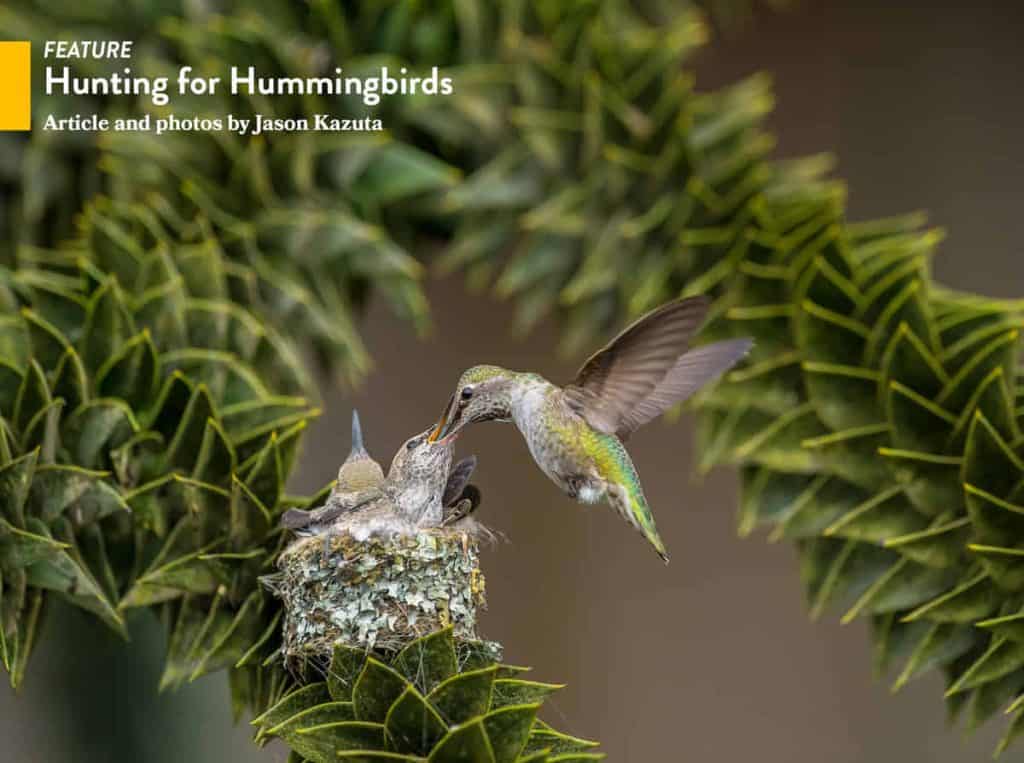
<point x="15" y="86"/>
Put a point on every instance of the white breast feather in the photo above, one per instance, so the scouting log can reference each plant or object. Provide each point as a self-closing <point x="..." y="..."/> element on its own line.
<point x="527" y="414"/>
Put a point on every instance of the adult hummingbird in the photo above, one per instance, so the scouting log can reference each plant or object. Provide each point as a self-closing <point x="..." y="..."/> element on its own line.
<point x="575" y="433"/>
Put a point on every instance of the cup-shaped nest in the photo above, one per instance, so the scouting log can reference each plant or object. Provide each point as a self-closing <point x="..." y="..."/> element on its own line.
<point x="377" y="590"/>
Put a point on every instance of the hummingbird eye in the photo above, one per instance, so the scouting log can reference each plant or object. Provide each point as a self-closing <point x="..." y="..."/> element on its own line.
<point x="415" y="441"/>
<point x="467" y="392"/>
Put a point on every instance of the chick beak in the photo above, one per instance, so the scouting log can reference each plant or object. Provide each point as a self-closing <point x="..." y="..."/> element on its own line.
<point x="444" y="424"/>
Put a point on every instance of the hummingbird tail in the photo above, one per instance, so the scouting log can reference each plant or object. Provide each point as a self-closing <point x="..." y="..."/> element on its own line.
<point x="651" y="533"/>
<point x="632" y="505"/>
<point x="358" y="448"/>
<point x="645" y="523"/>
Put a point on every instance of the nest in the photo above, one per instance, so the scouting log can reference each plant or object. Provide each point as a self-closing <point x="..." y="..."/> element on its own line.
<point x="377" y="590"/>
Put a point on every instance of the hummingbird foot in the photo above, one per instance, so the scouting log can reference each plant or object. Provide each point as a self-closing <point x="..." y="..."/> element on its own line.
<point x="573" y="483"/>
<point x="325" y="547"/>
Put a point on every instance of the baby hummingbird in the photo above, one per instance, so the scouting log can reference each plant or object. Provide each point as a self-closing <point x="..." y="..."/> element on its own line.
<point x="575" y="433"/>
<point x="359" y="471"/>
<point x="358" y="474"/>
<point x="421" y="488"/>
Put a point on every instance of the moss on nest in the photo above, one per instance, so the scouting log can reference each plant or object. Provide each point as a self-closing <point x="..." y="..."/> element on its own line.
<point x="377" y="592"/>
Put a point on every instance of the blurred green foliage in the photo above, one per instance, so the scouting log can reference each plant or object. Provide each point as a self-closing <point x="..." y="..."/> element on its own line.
<point x="148" y="424"/>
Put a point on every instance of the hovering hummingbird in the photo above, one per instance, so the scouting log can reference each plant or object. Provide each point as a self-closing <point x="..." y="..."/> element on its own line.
<point x="575" y="433"/>
<point x="421" y="487"/>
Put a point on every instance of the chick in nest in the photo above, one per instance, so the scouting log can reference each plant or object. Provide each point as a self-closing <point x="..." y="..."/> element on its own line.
<point x="421" y="490"/>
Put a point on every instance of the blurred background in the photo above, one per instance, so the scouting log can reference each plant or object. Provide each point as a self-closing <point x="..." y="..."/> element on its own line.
<point x="713" y="654"/>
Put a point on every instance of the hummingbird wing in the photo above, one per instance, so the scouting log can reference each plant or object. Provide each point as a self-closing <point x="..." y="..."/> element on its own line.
<point x="691" y="372"/>
<point x="626" y="371"/>
<point x="336" y="505"/>
<point x="458" y="478"/>
<point x="293" y="519"/>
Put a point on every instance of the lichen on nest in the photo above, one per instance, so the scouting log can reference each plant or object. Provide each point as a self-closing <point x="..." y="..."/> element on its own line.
<point x="378" y="591"/>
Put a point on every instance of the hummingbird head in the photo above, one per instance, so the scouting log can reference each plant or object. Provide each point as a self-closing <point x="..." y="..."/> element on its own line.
<point x="483" y="394"/>
<point x="359" y="470"/>
<point x="419" y="473"/>
<point x="418" y="455"/>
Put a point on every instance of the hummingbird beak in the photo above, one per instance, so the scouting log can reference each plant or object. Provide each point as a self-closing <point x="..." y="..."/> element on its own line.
<point x="444" y="424"/>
